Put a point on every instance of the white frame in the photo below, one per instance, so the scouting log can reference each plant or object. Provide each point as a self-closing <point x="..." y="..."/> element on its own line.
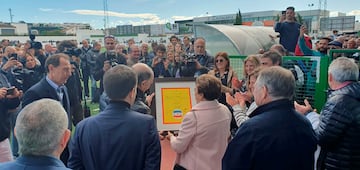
<point x="171" y="83"/>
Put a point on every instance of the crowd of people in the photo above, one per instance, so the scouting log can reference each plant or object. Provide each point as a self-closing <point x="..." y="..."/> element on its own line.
<point x="247" y="123"/>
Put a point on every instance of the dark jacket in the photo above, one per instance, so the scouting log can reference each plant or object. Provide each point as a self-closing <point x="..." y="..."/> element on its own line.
<point x="5" y="105"/>
<point x="99" y="72"/>
<point x="42" y="90"/>
<point x="117" y="138"/>
<point x="85" y="57"/>
<point x="139" y="104"/>
<point x="275" y="137"/>
<point x="160" y="71"/>
<point x="34" y="163"/>
<point x="32" y="76"/>
<point x="206" y="60"/>
<point x="339" y="129"/>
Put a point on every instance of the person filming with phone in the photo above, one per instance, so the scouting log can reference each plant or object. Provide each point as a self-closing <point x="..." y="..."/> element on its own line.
<point x="10" y="59"/>
<point x="288" y="29"/>
<point x="9" y="99"/>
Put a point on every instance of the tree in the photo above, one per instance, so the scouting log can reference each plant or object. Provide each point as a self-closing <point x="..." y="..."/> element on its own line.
<point x="238" y="19"/>
<point x="299" y="19"/>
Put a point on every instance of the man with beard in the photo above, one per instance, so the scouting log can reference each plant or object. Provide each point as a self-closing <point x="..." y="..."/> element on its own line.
<point x="104" y="62"/>
<point x="321" y="48"/>
<point x="288" y="29"/>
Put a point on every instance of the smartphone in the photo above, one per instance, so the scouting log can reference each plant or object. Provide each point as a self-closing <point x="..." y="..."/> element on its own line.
<point x="124" y="51"/>
<point x="13" y="56"/>
<point x="10" y="90"/>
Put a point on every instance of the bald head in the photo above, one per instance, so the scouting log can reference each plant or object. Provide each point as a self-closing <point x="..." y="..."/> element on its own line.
<point x="9" y="50"/>
<point x="199" y="46"/>
<point x="145" y="75"/>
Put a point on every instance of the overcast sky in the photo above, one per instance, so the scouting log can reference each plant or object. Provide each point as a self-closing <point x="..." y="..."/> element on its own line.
<point x="141" y="12"/>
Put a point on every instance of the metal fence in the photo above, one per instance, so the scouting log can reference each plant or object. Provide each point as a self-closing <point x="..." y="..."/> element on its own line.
<point x="311" y="75"/>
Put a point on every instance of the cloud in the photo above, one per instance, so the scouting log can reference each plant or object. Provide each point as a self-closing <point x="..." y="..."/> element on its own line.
<point x="354" y="12"/>
<point x="131" y="19"/>
<point x="176" y="18"/>
<point x="116" y="14"/>
<point x="46" y="9"/>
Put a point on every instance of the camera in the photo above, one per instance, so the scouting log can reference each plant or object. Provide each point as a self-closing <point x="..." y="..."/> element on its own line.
<point x="73" y="51"/>
<point x="19" y="74"/>
<point x="113" y="62"/>
<point x="192" y="40"/>
<point x="34" y="44"/>
<point x="190" y="57"/>
<point x="111" y="56"/>
<point x="188" y="69"/>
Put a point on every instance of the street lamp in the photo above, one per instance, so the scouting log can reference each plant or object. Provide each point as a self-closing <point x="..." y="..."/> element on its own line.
<point x="311" y="18"/>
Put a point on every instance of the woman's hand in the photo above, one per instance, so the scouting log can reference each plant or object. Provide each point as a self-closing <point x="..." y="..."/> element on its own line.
<point x="231" y="100"/>
<point x="236" y="83"/>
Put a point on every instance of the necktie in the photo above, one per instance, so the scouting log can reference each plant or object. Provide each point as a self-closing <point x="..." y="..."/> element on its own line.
<point x="60" y="92"/>
<point x="63" y="96"/>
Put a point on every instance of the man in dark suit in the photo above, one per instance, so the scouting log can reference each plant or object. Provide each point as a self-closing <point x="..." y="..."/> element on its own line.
<point x="41" y="142"/>
<point x="116" y="138"/>
<point x="58" y="70"/>
<point x="275" y="136"/>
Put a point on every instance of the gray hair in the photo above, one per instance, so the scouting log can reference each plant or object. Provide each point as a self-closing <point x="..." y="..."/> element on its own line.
<point x="40" y="127"/>
<point x="279" y="81"/>
<point x="344" y="69"/>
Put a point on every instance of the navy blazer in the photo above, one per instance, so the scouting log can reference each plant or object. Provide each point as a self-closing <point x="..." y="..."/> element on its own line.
<point x="34" y="163"/>
<point x="117" y="138"/>
<point x="42" y="90"/>
<point x="275" y="137"/>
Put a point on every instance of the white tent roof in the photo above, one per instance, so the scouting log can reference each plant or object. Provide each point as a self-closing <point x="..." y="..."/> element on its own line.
<point x="235" y="39"/>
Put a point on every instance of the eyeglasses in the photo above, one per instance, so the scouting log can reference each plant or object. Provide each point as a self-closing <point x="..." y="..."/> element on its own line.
<point x="219" y="61"/>
<point x="109" y="43"/>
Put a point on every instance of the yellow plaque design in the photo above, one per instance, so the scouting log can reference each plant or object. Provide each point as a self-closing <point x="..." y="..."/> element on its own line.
<point x="176" y="102"/>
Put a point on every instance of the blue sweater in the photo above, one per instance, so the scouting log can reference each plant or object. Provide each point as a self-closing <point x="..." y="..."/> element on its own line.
<point x="289" y="34"/>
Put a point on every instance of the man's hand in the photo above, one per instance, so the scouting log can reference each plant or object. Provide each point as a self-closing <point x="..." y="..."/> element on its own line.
<point x="169" y="134"/>
<point x="10" y="63"/>
<point x="16" y="94"/>
<point x="3" y="91"/>
<point x="149" y="99"/>
<point x="107" y="65"/>
<point x="166" y="64"/>
<point x="197" y="65"/>
<point x="155" y="61"/>
<point x="302" y="30"/>
<point x="303" y="109"/>
<point x="163" y="134"/>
